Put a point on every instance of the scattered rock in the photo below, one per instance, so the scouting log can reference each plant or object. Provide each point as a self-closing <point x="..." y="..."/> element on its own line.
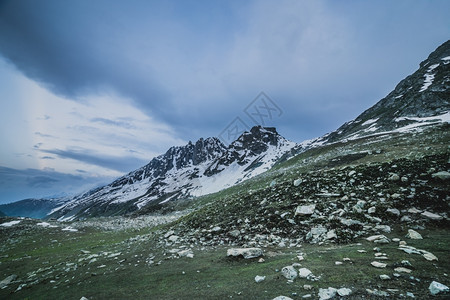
<point x="328" y="293"/>
<point x="303" y="210"/>
<point x="173" y="238"/>
<point x="245" y="252"/>
<point x="304" y="273"/>
<point x="377" y="264"/>
<point x="377" y="293"/>
<point x="414" y="235"/>
<point x="438" y="288"/>
<point x="258" y="278"/>
<point x="385" y="277"/>
<point x="393" y="211"/>
<point x="380" y="239"/>
<point x="7" y="281"/>
<point x="443" y="175"/>
<point x="431" y="216"/>
<point x="289" y="272"/>
<point x="411" y="250"/>
<point x="282" y="298"/>
<point x="344" y="292"/>
<point x="297" y="182"/>
<point x="402" y="270"/>
<point x="394" y="177"/>
<point x="234" y="233"/>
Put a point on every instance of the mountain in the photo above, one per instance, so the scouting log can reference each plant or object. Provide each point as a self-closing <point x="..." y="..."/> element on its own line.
<point x="33" y="208"/>
<point x="420" y="99"/>
<point x="195" y="169"/>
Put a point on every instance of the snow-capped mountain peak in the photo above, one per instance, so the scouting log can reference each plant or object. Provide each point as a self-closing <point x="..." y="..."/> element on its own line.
<point x="195" y="169"/>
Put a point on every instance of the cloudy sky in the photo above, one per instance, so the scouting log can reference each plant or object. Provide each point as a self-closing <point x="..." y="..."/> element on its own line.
<point x="93" y="89"/>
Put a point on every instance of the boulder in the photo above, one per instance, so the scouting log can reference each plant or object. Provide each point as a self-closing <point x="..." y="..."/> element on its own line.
<point x="282" y="298"/>
<point x="328" y="293"/>
<point x="393" y="211"/>
<point x="7" y="280"/>
<point x="431" y="216"/>
<point x="344" y="292"/>
<point x="394" y="177"/>
<point x="437" y="288"/>
<point x="297" y="182"/>
<point x="258" y="278"/>
<point x="245" y="252"/>
<point x="443" y="175"/>
<point x="234" y="233"/>
<point x="377" y="264"/>
<point x="304" y="273"/>
<point x="289" y="272"/>
<point x="304" y="210"/>
<point x="414" y="235"/>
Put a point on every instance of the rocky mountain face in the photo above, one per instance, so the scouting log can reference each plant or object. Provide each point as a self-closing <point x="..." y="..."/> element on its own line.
<point x="420" y="99"/>
<point x="195" y="169"/>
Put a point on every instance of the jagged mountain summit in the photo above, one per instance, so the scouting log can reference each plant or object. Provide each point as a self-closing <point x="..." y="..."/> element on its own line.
<point x="421" y="99"/>
<point x="195" y="169"/>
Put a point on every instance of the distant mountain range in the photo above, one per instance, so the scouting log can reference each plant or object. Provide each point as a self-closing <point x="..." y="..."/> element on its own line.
<point x="207" y="166"/>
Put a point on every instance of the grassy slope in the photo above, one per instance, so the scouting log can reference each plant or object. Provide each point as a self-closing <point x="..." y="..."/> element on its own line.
<point x="48" y="259"/>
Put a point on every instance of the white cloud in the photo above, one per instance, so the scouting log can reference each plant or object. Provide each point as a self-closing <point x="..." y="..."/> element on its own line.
<point x="103" y="125"/>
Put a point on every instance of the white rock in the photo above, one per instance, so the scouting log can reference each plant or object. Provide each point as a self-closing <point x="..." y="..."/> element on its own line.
<point x="380" y="239"/>
<point x="328" y="293"/>
<point x="414" y="210"/>
<point x="431" y="216"/>
<point x="7" y="280"/>
<point x="437" y="288"/>
<point x="84" y="298"/>
<point x="216" y="229"/>
<point x="385" y="277"/>
<point x="173" y="238"/>
<point x="393" y="211"/>
<point x="344" y="292"/>
<point x="234" y="233"/>
<point x="297" y="182"/>
<point x="377" y="264"/>
<point x="402" y="270"/>
<point x="282" y="298"/>
<point x="258" y="278"/>
<point x="394" y="177"/>
<point x="289" y="272"/>
<point x="414" y="235"/>
<point x="303" y="210"/>
<point x="331" y="234"/>
<point x="443" y="175"/>
<point x="186" y="253"/>
<point x="304" y="272"/>
<point x="383" y="228"/>
<point x="245" y="252"/>
<point x="429" y="256"/>
<point x="372" y="210"/>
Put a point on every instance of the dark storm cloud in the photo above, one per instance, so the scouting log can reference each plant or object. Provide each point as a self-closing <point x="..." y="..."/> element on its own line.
<point x="18" y="184"/>
<point x="122" y="164"/>
<point x="69" y="49"/>
<point x="194" y="65"/>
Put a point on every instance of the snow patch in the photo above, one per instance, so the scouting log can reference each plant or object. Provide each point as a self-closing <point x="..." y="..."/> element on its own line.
<point x="70" y="228"/>
<point x="11" y="223"/>
<point x="45" y="224"/>
<point x="370" y="121"/>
